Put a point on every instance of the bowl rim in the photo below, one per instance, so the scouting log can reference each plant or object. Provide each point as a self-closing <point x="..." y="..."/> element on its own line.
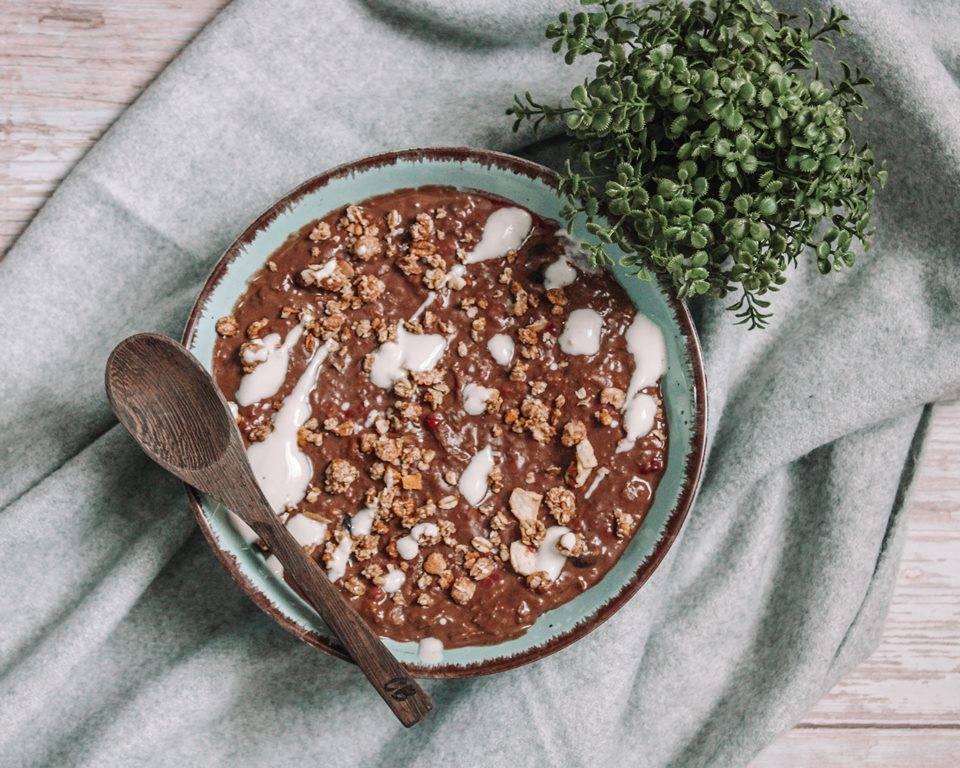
<point x="692" y="472"/>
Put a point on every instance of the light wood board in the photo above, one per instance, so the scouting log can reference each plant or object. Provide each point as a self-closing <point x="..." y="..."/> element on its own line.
<point x="67" y="69"/>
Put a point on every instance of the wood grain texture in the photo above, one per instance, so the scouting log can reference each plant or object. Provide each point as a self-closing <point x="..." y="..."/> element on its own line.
<point x="862" y="748"/>
<point x="67" y="69"/>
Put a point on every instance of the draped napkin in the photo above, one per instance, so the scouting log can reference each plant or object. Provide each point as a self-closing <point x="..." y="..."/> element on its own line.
<point x="123" y="641"/>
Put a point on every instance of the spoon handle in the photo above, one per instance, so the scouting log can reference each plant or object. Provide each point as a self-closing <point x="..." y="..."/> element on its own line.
<point x="409" y="702"/>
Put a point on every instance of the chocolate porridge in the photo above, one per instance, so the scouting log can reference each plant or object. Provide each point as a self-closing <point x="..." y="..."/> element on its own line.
<point x="456" y="414"/>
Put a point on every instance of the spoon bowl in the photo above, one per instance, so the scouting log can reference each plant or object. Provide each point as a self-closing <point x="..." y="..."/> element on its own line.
<point x="183" y="428"/>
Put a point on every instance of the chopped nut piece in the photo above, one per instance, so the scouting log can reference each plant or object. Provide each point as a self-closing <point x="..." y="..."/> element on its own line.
<point x="604" y="417"/>
<point x="339" y="476"/>
<point x="519" y="371"/>
<point x="228" y="326"/>
<point x="354" y="586"/>
<point x="561" y="503"/>
<point x="625" y="523"/>
<point x="412" y="482"/>
<point x="423" y="229"/>
<point x="367" y="247"/>
<point x="425" y="581"/>
<point x="434" y="564"/>
<point x="339" y="428"/>
<point x="259" y="433"/>
<point x="525" y="504"/>
<point x="572" y="544"/>
<point x="462" y="590"/>
<point x="530" y="334"/>
<point x="538" y="581"/>
<point x="387" y="449"/>
<point x="434" y="279"/>
<point x="369" y="288"/>
<point x="481" y="568"/>
<point x="482" y="545"/>
<point x="557" y="297"/>
<point x="612" y="396"/>
<point x="256" y="328"/>
<point x="321" y="276"/>
<point x="523" y="559"/>
<point x="447" y="502"/>
<point x="308" y="435"/>
<point x="573" y="432"/>
<point x="584" y="463"/>
<point x="320" y="232"/>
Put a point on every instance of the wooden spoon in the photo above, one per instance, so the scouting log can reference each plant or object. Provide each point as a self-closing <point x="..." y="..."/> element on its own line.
<point x="169" y="403"/>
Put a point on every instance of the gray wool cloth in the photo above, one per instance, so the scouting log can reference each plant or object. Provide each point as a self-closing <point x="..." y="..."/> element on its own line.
<point x="122" y="640"/>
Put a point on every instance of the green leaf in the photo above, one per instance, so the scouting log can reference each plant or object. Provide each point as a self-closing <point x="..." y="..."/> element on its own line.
<point x="767" y="206"/>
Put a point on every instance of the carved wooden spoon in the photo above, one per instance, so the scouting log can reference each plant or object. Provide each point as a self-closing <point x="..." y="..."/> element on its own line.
<point x="169" y="403"/>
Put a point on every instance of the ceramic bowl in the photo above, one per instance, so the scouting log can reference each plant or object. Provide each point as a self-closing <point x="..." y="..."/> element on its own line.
<point x="534" y="187"/>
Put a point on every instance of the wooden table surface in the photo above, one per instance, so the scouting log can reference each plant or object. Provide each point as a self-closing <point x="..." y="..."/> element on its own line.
<point x="67" y="69"/>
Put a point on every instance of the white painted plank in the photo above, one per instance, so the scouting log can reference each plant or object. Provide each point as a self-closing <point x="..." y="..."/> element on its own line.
<point x="914" y="675"/>
<point x="862" y="748"/>
<point x="67" y="69"/>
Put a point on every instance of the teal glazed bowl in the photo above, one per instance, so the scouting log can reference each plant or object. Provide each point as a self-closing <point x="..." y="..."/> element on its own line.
<point x="535" y="187"/>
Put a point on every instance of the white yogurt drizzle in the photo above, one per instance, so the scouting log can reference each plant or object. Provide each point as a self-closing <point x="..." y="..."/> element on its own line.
<point x="505" y="230"/>
<point x="473" y="482"/>
<point x="563" y="271"/>
<point x="307" y="531"/>
<point x="338" y="562"/>
<point x="430" y="650"/>
<point x="408" y="547"/>
<point x="501" y="348"/>
<point x="410" y="352"/>
<point x="645" y="342"/>
<point x="549" y="558"/>
<point x="475" y="397"/>
<point x="266" y="379"/>
<point x="582" y="332"/>
<point x="431" y="297"/>
<point x="362" y="523"/>
<point x="546" y="558"/>
<point x="597" y="478"/>
<point x="281" y="468"/>
<point x="393" y="580"/>
<point x="559" y="274"/>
